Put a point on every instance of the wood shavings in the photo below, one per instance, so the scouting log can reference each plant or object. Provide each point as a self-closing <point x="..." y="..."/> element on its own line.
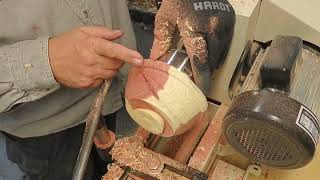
<point x="200" y="46"/>
<point x="114" y="172"/>
<point x="130" y="152"/>
<point x="197" y="47"/>
<point x="134" y="155"/>
<point x="164" y="36"/>
<point x="168" y="175"/>
<point x="189" y="27"/>
<point x="213" y="22"/>
<point x="143" y="5"/>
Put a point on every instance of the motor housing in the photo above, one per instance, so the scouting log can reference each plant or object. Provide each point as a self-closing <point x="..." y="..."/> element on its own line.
<point x="270" y="128"/>
<point x="268" y="125"/>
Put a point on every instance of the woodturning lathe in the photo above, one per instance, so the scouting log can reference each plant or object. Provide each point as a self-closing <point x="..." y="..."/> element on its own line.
<point x="203" y="147"/>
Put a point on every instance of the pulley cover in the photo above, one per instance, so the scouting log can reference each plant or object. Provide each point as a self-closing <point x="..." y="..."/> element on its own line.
<point x="272" y="129"/>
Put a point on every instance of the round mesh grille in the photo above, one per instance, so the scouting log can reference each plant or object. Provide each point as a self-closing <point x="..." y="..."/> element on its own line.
<point x="265" y="145"/>
<point x="262" y="125"/>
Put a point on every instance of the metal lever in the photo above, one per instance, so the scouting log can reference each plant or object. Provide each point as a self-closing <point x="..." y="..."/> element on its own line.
<point x="92" y="121"/>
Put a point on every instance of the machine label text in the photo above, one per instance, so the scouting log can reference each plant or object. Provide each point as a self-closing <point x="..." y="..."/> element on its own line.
<point x="211" y="5"/>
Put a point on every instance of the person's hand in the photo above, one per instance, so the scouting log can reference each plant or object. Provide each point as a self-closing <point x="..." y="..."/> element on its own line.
<point x="206" y="28"/>
<point x="86" y="56"/>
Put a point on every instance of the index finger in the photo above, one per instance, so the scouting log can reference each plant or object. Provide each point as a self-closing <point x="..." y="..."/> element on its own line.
<point x="117" y="51"/>
<point x="102" y="32"/>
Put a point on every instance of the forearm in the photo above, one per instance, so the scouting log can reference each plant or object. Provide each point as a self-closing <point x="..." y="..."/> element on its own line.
<point x="25" y="72"/>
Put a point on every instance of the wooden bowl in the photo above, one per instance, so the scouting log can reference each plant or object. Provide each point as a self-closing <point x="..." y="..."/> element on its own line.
<point x="163" y="100"/>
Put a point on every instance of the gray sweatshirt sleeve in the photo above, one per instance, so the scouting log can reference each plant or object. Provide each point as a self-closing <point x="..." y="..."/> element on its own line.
<point x="25" y="72"/>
